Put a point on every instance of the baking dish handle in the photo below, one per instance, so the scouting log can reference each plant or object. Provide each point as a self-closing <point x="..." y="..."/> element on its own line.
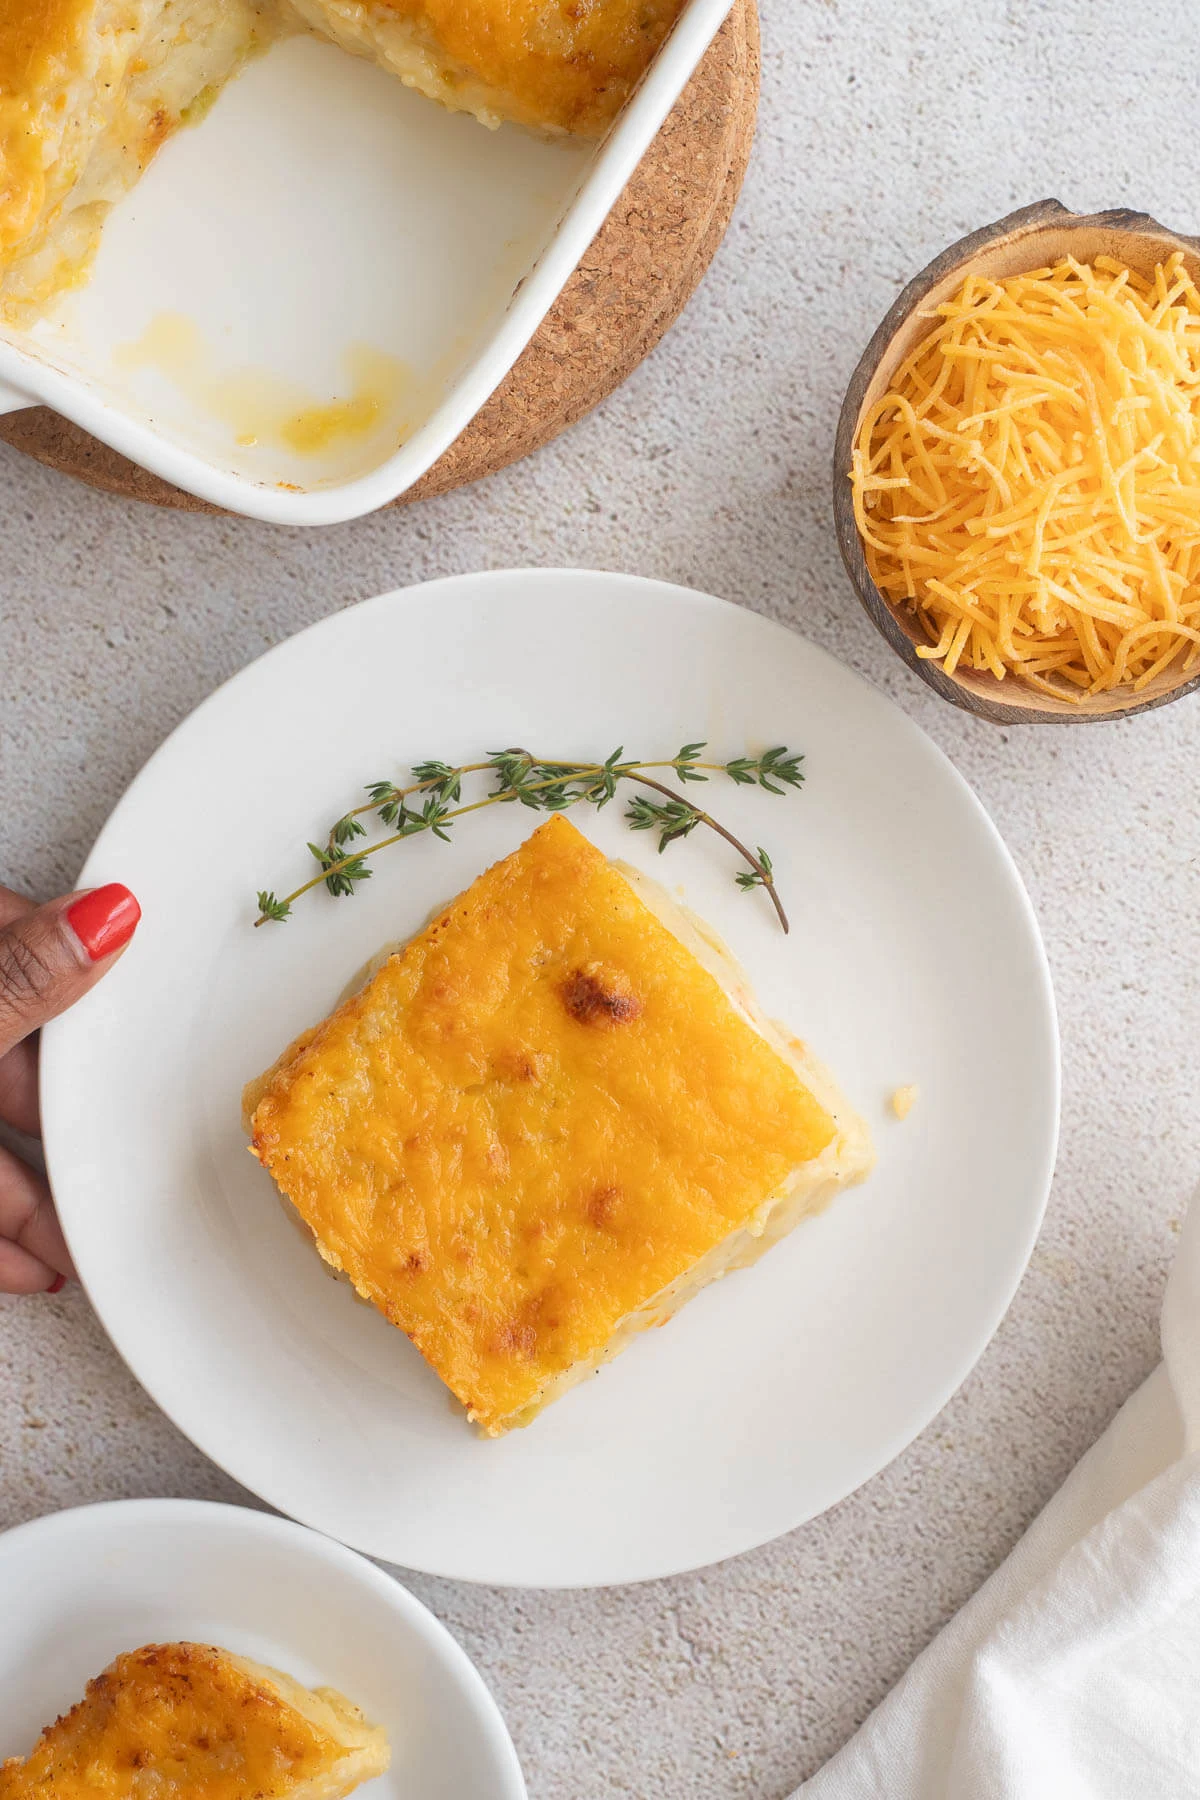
<point x="12" y="400"/>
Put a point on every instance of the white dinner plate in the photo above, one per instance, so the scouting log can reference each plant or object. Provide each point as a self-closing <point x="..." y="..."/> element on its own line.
<point x="80" y="1587"/>
<point x="913" y="957"/>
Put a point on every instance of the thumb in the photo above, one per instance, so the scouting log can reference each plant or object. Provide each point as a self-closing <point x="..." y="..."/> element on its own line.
<point x="50" y="957"/>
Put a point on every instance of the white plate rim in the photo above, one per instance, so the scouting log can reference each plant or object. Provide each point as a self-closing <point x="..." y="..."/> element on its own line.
<point x="184" y="1513"/>
<point x="1003" y="1293"/>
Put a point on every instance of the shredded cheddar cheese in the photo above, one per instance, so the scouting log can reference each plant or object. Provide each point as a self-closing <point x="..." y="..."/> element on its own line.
<point x="1030" y="483"/>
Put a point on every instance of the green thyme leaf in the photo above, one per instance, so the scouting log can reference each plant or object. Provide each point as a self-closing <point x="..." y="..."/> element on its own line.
<point x="271" y="908"/>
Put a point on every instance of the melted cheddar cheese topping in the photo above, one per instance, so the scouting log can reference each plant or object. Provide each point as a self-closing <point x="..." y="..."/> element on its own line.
<point x="38" y="38"/>
<point x="32" y="34"/>
<point x="536" y="1117"/>
<point x="174" y="1720"/>
<point x="562" y="64"/>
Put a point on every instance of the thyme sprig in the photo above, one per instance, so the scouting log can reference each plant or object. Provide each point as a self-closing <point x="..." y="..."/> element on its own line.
<point x="431" y="801"/>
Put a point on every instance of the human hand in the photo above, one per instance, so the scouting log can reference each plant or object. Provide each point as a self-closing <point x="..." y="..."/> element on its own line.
<point x="49" y="957"/>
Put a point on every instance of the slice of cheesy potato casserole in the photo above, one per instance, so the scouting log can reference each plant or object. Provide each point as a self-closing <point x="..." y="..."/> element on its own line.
<point x="89" y="89"/>
<point x="193" y="1722"/>
<point x="547" y="1122"/>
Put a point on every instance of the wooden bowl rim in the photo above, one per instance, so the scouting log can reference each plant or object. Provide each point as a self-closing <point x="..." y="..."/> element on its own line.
<point x="1026" y="222"/>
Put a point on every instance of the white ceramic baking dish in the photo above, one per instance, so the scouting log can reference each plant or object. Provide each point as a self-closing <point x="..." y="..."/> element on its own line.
<point x="326" y="234"/>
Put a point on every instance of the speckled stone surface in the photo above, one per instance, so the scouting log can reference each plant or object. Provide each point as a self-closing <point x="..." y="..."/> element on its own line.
<point x="886" y="131"/>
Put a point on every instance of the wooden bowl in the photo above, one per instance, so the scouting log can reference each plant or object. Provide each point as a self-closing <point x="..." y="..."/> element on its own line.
<point x="1025" y="240"/>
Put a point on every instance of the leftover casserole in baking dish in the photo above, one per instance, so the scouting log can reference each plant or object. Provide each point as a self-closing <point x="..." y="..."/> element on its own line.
<point x="89" y="89"/>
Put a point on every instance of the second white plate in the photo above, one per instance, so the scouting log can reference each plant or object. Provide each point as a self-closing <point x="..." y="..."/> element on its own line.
<point x="82" y="1587"/>
<point x="913" y="958"/>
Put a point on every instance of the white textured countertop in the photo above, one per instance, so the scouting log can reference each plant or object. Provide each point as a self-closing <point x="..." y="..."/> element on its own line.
<point x="886" y="131"/>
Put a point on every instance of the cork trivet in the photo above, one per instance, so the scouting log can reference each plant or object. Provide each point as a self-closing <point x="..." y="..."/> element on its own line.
<point x="633" y="282"/>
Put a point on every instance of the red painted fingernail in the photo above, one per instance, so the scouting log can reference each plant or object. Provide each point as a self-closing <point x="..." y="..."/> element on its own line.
<point x="57" y="1285"/>
<point x="104" y="919"/>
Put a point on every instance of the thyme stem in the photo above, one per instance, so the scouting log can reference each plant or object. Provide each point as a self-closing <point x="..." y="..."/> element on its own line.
<point x="765" y="876"/>
<point x="549" y="787"/>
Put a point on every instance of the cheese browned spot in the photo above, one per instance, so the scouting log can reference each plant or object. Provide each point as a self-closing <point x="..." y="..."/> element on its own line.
<point x="602" y="1206"/>
<point x="598" y="996"/>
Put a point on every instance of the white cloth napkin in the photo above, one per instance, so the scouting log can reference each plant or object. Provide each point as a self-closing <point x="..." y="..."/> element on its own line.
<point x="1074" y="1673"/>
